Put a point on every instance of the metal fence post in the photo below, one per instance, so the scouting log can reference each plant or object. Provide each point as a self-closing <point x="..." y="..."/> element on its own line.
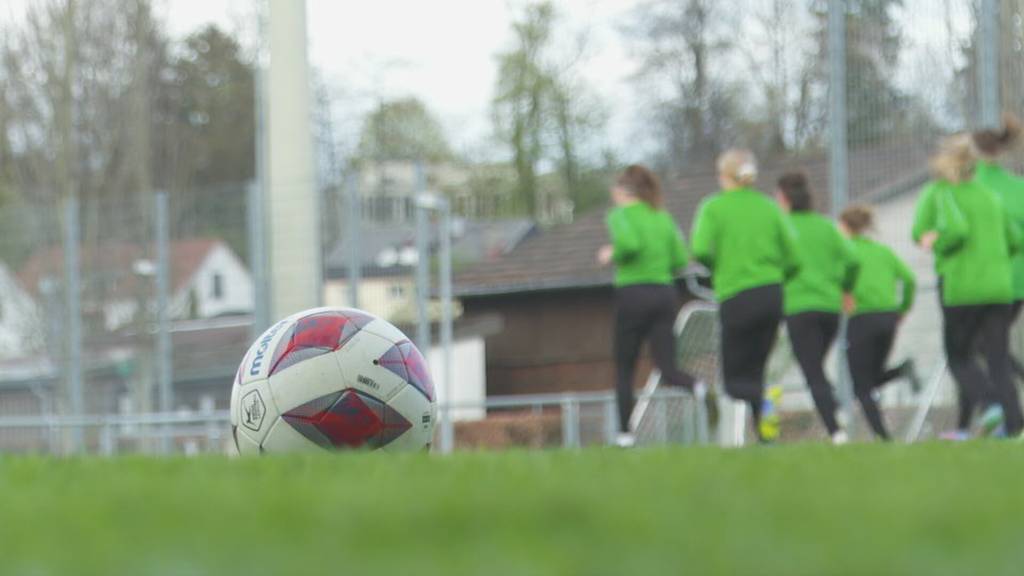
<point x="611" y="421"/>
<point x="73" y="304"/>
<point x="422" y="267"/>
<point x="839" y="160"/>
<point x="352" y="222"/>
<point x="448" y="432"/>
<point x="258" y="258"/>
<point x="164" y="368"/>
<point x="988" y="63"/>
<point x="570" y="423"/>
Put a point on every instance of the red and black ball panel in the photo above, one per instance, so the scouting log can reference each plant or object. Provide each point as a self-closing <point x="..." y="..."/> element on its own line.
<point x="404" y="360"/>
<point x="348" y="419"/>
<point x="316" y="335"/>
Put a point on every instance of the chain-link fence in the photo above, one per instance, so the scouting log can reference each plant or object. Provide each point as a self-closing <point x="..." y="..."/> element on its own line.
<point x="118" y="304"/>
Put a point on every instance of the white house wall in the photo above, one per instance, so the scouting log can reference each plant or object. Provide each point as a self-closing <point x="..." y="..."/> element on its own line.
<point x="237" y="289"/>
<point x="20" y="327"/>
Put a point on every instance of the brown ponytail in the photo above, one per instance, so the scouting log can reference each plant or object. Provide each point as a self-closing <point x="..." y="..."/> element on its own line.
<point x="994" y="142"/>
<point x="642" y="183"/>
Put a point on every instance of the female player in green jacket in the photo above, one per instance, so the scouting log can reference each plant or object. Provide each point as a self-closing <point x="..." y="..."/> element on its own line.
<point x="991" y="144"/>
<point x="875" y="312"/>
<point x="814" y="297"/>
<point x="647" y="250"/>
<point x="966" y="227"/>
<point x="744" y="239"/>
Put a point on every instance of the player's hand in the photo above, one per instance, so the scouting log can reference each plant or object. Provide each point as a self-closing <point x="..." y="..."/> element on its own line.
<point x="849" y="304"/>
<point x="928" y="240"/>
<point x="605" y="254"/>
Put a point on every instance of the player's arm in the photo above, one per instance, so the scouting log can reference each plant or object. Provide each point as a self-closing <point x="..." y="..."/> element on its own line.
<point x="950" y="222"/>
<point x="909" y="280"/>
<point x="849" y="262"/>
<point x="924" y="214"/>
<point x="789" y="252"/>
<point x="625" y="240"/>
<point x="704" y="232"/>
<point x="680" y="256"/>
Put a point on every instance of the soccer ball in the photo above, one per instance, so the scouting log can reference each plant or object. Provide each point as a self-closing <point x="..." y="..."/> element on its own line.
<point x="332" y="378"/>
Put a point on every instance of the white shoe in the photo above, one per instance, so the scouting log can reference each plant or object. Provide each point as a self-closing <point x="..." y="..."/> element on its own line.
<point x="840" y="438"/>
<point x="625" y="440"/>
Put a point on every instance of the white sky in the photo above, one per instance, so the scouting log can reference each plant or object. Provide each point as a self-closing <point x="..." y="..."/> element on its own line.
<point x="443" y="51"/>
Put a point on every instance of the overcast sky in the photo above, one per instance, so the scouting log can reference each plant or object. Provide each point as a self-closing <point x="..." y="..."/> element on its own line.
<point x="443" y="51"/>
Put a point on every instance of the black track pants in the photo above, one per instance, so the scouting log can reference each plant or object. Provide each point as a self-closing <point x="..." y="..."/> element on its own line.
<point x="644" y="311"/>
<point x="750" y="324"/>
<point x="812" y="334"/>
<point x="869" y="340"/>
<point x="989" y="326"/>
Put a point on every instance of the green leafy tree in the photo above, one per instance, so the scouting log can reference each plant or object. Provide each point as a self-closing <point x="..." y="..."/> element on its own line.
<point x="542" y="111"/>
<point x="403" y="129"/>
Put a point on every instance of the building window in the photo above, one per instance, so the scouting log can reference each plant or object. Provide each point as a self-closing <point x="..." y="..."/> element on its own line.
<point x="396" y="291"/>
<point x="217" y="289"/>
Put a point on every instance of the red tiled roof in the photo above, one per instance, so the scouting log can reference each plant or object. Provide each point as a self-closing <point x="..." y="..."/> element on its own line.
<point x="116" y="260"/>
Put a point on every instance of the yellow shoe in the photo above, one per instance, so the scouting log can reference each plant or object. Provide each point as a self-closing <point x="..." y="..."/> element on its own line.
<point x="769" y="427"/>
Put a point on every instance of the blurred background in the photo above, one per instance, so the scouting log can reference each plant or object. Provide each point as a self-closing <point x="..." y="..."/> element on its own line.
<point x="460" y="154"/>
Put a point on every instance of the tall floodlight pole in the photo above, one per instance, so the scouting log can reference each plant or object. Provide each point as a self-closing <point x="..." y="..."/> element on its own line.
<point x="988" y="64"/>
<point x="293" y="213"/>
<point x="839" y="159"/>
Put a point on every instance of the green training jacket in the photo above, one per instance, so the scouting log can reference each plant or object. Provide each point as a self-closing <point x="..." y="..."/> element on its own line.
<point x="648" y="246"/>
<point x="976" y="241"/>
<point x="828" y="266"/>
<point x="1010" y="189"/>
<point x="746" y="241"/>
<point x="885" y="283"/>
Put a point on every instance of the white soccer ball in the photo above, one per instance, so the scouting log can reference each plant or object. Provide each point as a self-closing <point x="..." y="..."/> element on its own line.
<point x="332" y="378"/>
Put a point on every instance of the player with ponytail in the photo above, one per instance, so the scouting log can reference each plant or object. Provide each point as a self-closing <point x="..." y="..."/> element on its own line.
<point x="967" y="229"/>
<point x="875" y="313"/>
<point x="814" y="297"/>
<point x="746" y="242"/>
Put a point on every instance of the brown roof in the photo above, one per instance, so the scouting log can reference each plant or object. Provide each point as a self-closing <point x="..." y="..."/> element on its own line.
<point x="565" y="256"/>
<point x="116" y="260"/>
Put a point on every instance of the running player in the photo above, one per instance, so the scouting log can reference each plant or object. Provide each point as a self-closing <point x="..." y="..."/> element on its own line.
<point x="991" y="144"/>
<point x="883" y="293"/>
<point x="814" y="297"/>
<point x="964" y="224"/>
<point x="744" y="239"/>
<point x="647" y="250"/>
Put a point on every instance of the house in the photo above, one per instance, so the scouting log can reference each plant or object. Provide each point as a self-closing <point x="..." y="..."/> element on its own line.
<point x="21" y="332"/>
<point x="555" y="304"/>
<point x="388" y="254"/>
<point x="207" y="280"/>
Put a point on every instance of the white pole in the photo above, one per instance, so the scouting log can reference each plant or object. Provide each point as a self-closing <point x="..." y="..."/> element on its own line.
<point x="292" y="204"/>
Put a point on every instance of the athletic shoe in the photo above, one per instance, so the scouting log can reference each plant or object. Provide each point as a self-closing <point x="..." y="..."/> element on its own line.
<point x="955" y="436"/>
<point x="840" y="438"/>
<point x="991" y="420"/>
<point x="769" y="427"/>
<point x="625" y="440"/>
<point x="908" y="370"/>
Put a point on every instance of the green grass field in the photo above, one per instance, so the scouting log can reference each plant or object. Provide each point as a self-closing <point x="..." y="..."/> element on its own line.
<point x="928" y="509"/>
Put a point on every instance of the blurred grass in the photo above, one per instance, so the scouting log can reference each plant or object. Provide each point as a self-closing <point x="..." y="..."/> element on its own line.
<point x="929" y="509"/>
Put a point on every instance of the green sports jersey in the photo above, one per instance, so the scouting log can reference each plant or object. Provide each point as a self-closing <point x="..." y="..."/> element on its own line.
<point x="827" y="266"/>
<point x="1010" y="189"/>
<point x="975" y="243"/>
<point x="884" y="283"/>
<point x="746" y="241"/>
<point x="648" y="246"/>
